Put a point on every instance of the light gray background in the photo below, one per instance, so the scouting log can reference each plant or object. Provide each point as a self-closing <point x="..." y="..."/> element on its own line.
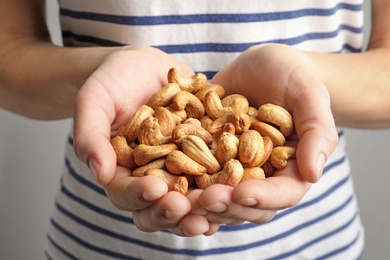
<point x="31" y="159"/>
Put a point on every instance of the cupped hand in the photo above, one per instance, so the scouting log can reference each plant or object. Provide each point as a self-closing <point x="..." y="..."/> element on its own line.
<point x="120" y="84"/>
<point x="280" y="75"/>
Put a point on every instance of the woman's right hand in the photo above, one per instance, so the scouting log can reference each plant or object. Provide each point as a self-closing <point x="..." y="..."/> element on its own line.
<point x="121" y="83"/>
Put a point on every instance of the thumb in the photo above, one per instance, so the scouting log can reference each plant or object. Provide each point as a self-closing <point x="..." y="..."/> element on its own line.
<point x="317" y="133"/>
<point x="92" y="133"/>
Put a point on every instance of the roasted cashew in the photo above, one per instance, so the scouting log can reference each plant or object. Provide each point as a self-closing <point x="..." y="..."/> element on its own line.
<point x="156" y="164"/>
<point x="240" y="120"/>
<point x="237" y="102"/>
<point x="226" y="147"/>
<point x="158" y="129"/>
<point x="277" y="115"/>
<point x="178" y="115"/>
<point x="253" y="173"/>
<point x="165" y="119"/>
<point x="280" y="155"/>
<point x="124" y="153"/>
<point x="195" y="148"/>
<point x="150" y="133"/>
<point x="268" y="168"/>
<point x="268" y="147"/>
<point x="252" y="111"/>
<point x="191" y="104"/>
<point x="251" y="148"/>
<point x="178" y="162"/>
<point x="272" y="132"/>
<point x="164" y="96"/>
<point x="231" y="174"/>
<point x="174" y="182"/>
<point x="143" y="153"/>
<point x="215" y="108"/>
<point x="183" y="130"/>
<point x="205" y="122"/>
<point x="192" y="121"/>
<point x="191" y="84"/>
<point x="130" y="129"/>
<point x="210" y="87"/>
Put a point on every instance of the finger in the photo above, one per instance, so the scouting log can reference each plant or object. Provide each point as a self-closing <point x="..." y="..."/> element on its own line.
<point x="222" y="209"/>
<point x="135" y="193"/>
<point x="192" y="225"/>
<point x="316" y="131"/>
<point x="92" y="132"/>
<point x="196" y="207"/>
<point x="164" y="214"/>
<point x="283" y="190"/>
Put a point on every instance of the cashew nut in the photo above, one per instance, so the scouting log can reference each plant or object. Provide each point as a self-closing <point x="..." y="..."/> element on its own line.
<point x="210" y="87"/>
<point x="164" y="96"/>
<point x="178" y="162"/>
<point x="215" y="108"/>
<point x="280" y="155"/>
<point x="226" y="147"/>
<point x="174" y="182"/>
<point x="191" y="84"/>
<point x="156" y="164"/>
<point x="251" y="148"/>
<point x="194" y="147"/>
<point x="272" y="132"/>
<point x="253" y="173"/>
<point x="191" y="104"/>
<point x="158" y="129"/>
<point x="143" y="153"/>
<point x="178" y="115"/>
<point x="240" y="120"/>
<point x="231" y="174"/>
<point x="183" y="130"/>
<point x="130" y="129"/>
<point x="124" y="152"/>
<point x="277" y="115"/>
<point x="237" y="102"/>
<point x="150" y="133"/>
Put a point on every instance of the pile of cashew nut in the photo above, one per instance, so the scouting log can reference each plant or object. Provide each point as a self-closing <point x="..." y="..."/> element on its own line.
<point x="191" y="135"/>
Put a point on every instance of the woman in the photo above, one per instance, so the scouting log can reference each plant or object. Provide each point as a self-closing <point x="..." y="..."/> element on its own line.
<point x="305" y="57"/>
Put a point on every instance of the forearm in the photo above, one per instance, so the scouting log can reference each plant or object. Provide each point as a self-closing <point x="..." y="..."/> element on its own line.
<point x="359" y="86"/>
<point x="39" y="80"/>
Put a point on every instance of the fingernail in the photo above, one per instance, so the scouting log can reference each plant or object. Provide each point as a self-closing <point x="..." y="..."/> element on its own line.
<point x="217" y="207"/>
<point x="94" y="166"/>
<point x="248" y="202"/>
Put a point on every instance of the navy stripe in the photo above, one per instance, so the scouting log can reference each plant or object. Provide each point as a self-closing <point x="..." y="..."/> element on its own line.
<point x="48" y="256"/>
<point x="220" y="47"/>
<point x="319" y="239"/>
<point x="188" y="251"/>
<point x="87" y="244"/>
<point x="240" y="47"/>
<point x="206" y="18"/>
<point x="94" y="208"/>
<point x="341" y="249"/>
<point x="82" y="180"/>
<point x="225" y="228"/>
<point x="59" y="248"/>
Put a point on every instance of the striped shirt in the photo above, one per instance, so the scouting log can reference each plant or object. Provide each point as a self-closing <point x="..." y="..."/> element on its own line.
<point x="208" y="35"/>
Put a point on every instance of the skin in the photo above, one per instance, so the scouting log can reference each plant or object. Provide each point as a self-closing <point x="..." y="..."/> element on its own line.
<point x="98" y="87"/>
